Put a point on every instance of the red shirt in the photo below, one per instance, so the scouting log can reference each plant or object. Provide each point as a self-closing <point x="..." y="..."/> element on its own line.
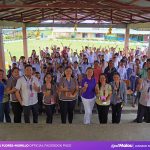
<point x="97" y="73"/>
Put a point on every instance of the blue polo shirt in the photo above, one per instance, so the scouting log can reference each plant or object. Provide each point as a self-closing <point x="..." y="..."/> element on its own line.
<point x="90" y="92"/>
<point x="1" y="91"/>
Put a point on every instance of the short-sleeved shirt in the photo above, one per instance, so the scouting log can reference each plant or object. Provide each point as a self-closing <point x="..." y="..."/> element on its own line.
<point x="71" y="86"/>
<point x="145" y="93"/>
<point x="49" y="100"/>
<point x="90" y="92"/>
<point x="97" y="72"/>
<point x="108" y="91"/>
<point x="84" y="66"/>
<point x="28" y="94"/>
<point x="76" y="72"/>
<point x="11" y="83"/>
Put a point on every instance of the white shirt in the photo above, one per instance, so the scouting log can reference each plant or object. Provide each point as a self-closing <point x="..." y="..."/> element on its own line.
<point x="37" y="67"/>
<point x="104" y="66"/>
<point x="74" y="58"/>
<point x="76" y="72"/>
<point x="21" y="69"/>
<point x="131" y="65"/>
<point x="84" y="67"/>
<point x="123" y="73"/>
<point x="119" y="57"/>
<point x="145" y="93"/>
<point x="59" y="76"/>
<point x="107" y="57"/>
<point x="87" y="53"/>
<point x="29" y="96"/>
<point x="91" y="58"/>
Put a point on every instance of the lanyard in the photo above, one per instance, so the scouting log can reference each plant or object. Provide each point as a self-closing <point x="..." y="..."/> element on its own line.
<point x="68" y="84"/>
<point x="29" y="83"/>
<point x="117" y="88"/>
<point x="148" y="82"/>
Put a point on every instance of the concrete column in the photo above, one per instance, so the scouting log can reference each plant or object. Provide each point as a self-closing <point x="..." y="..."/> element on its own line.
<point x="2" y="54"/>
<point x="25" y="46"/>
<point x="148" y="53"/>
<point x="127" y="36"/>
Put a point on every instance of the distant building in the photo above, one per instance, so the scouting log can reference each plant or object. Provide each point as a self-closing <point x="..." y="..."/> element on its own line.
<point x="100" y="33"/>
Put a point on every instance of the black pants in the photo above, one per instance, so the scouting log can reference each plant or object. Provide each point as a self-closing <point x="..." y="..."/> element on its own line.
<point x="26" y="110"/>
<point x="17" y="111"/>
<point x="102" y="113"/>
<point x="67" y="107"/>
<point x="116" y="112"/>
<point x="5" y="111"/>
<point x="143" y="111"/>
<point x="49" y="109"/>
<point x="40" y="103"/>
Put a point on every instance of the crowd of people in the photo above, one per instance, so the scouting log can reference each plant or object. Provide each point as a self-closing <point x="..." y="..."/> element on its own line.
<point x="59" y="81"/>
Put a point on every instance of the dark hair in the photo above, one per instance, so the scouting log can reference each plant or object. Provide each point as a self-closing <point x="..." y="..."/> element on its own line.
<point x="46" y="76"/>
<point x="87" y="61"/>
<point x="68" y="67"/>
<point x="14" y="64"/>
<point x="102" y="61"/>
<point x="96" y="61"/>
<point x="60" y="66"/>
<point x="44" y="67"/>
<point x="116" y="73"/>
<point x="144" y="64"/>
<point x="14" y="68"/>
<point x="89" y="68"/>
<point x="34" y="69"/>
<point x="37" y="72"/>
<point x="75" y="62"/>
<point x="148" y="69"/>
<point x="27" y="66"/>
<point x="148" y="60"/>
<point x="99" y="83"/>
<point x="110" y="61"/>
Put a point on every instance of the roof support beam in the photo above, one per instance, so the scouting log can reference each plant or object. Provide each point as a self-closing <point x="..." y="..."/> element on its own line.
<point x="132" y="2"/>
<point x="75" y="6"/>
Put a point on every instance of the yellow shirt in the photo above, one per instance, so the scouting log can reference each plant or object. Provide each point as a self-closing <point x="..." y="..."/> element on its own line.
<point x="104" y="91"/>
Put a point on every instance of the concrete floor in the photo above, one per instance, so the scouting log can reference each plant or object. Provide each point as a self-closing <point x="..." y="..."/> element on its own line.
<point x="126" y="130"/>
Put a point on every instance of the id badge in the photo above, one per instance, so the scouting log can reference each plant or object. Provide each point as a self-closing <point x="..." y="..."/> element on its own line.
<point x="104" y="103"/>
<point x="103" y="98"/>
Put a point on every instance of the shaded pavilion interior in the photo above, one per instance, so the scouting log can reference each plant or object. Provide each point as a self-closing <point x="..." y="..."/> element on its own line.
<point x="127" y="14"/>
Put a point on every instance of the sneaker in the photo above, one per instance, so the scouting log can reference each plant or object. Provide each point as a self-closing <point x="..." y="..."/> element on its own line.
<point x="135" y="120"/>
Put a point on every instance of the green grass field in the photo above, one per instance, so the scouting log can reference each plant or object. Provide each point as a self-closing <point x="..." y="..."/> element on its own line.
<point x="16" y="47"/>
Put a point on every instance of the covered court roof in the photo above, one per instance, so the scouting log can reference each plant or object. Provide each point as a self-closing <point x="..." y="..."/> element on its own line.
<point x="76" y="11"/>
